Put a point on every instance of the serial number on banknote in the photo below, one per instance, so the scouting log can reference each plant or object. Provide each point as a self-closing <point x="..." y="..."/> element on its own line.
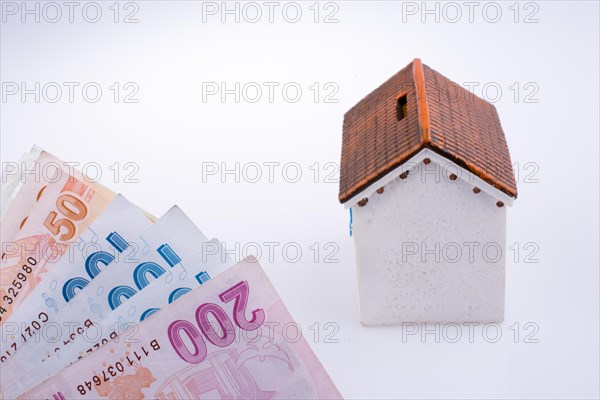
<point x="127" y="361"/>
<point x="17" y="284"/>
<point x="28" y="331"/>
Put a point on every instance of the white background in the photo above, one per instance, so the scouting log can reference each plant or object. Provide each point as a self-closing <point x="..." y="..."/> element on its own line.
<point x="170" y="132"/>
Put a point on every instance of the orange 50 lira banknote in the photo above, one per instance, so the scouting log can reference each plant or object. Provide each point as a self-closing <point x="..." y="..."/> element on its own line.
<point x="65" y="204"/>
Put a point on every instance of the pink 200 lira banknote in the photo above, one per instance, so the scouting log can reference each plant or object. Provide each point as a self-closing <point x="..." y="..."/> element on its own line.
<point x="226" y="340"/>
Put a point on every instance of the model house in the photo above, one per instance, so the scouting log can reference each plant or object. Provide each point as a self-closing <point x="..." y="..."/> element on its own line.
<point x="427" y="174"/>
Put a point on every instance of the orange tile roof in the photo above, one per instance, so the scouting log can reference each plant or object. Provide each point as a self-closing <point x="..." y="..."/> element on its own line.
<point x="440" y="115"/>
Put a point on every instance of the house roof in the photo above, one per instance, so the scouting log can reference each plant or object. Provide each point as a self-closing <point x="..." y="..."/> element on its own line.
<point x="437" y="114"/>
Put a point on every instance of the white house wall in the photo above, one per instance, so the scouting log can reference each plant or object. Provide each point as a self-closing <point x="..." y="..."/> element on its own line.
<point x="429" y="249"/>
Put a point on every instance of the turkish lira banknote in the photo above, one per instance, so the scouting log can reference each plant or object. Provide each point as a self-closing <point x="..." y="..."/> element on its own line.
<point x="226" y="340"/>
<point x="98" y="299"/>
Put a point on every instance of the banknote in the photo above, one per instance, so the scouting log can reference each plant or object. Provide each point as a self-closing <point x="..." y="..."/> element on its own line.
<point x="229" y="339"/>
<point x="23" y="190"/>
<point x="167" y="251"/>
<point x="14" y="176"/>
<point x="137" y="309"/>
<point x="68" y="206"/>
<point x="105" y="239"/>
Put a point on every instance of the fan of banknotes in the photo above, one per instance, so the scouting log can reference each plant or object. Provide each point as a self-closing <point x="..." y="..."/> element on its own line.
<point x="99" y="299"/>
